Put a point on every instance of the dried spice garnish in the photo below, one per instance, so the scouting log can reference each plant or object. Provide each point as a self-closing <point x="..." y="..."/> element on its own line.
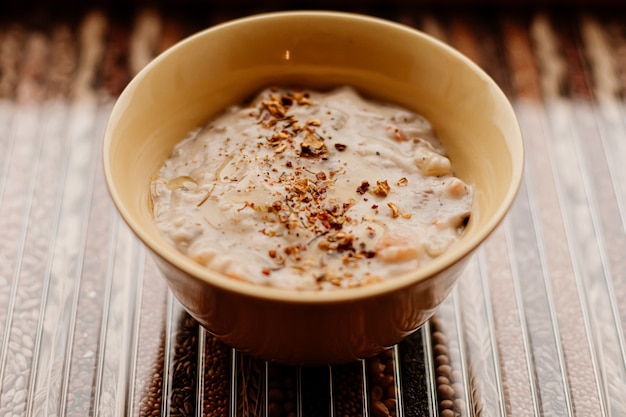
<point x="338" y="242"/>
<point x="303" y="205"/>
<point x="381" y="189"/>
<point x="302" y="98"/>
<point x="321" y="176"/>
<point x="340" y="147"/>
<point x="313" y="146"/>
<point x="314" y="122"/>
<point x="274" y="107"/>
<point x="395" y="211"/>
<point x="362" y="189"/>
<point x="294" y="252"/>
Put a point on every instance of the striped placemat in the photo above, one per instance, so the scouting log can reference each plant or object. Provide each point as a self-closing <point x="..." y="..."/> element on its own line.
<point x="534" y="327"/>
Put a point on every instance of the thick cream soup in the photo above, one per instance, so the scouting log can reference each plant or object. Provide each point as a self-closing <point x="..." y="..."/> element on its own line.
<point x="311" y="190"/>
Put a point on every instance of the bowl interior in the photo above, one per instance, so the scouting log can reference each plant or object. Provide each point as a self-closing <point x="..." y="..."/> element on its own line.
<point x="224" y="65"/>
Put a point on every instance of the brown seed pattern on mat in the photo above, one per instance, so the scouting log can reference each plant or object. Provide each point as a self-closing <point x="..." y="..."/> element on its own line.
<point x="282" y="391"/>
<point x="449" y="385"/>
<point x="382" y="388"/>
<point x="216" y="377"/>
<point x="348" y="383"/>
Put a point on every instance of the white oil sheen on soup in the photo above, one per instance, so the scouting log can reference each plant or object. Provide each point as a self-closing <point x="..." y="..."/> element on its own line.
<point x="311" y="190"/>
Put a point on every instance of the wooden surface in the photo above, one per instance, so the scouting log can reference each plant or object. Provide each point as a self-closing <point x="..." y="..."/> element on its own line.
<point x="534" y="327"/>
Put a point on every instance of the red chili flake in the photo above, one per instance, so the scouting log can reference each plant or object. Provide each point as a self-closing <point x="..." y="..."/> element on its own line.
<point x="340" y="147"/>
<point x="374" y="206"/>
<point x="362" y="189"/>
<point x="265" y="271"/>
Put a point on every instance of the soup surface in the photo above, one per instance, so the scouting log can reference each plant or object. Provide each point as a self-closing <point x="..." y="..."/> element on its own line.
<point x="311" y="190"/>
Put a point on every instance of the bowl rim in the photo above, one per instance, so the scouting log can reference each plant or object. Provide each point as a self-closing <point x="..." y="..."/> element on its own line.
<point x="455" y="254"/>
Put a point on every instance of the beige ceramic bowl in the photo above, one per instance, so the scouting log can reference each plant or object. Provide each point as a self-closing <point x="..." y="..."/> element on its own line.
<point x="195" y="79"/>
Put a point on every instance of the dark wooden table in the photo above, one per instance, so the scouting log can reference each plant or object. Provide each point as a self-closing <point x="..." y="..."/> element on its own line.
<point x="534" y="327"/>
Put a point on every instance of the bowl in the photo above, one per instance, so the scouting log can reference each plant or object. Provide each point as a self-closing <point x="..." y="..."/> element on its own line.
<point x="202" y="75"/>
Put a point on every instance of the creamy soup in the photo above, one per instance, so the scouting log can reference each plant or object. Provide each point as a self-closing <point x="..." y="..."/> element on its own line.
<point x="311" y="190"/>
